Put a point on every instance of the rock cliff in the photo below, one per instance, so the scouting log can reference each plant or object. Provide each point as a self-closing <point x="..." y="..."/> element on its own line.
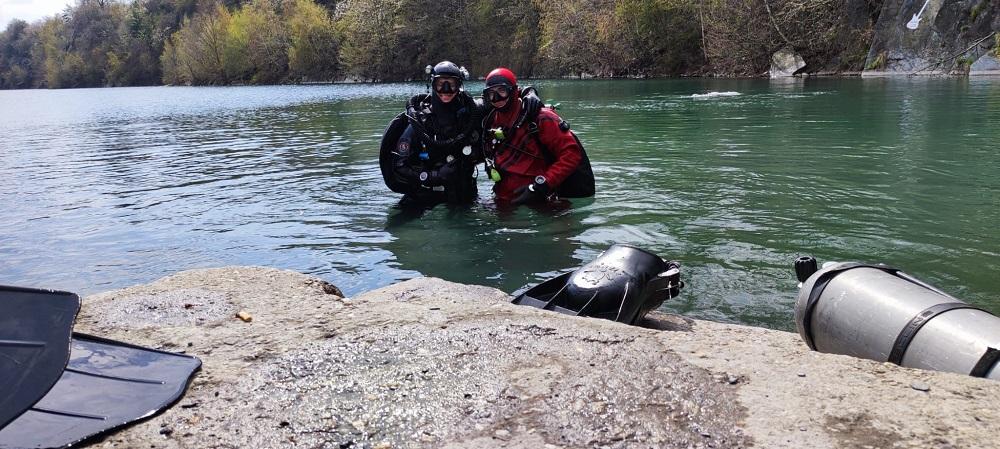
<point x="933" y="37"/>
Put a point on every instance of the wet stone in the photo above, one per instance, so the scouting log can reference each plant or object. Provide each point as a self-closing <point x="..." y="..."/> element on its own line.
<point x="171" y="308"/>
<point x="500" y="387"/>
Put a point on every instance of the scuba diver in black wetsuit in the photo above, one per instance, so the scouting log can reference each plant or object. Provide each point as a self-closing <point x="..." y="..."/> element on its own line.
<point x="429" y="153"/>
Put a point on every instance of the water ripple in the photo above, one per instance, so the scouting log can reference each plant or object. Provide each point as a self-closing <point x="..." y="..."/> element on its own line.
<point x="105" y="188"/>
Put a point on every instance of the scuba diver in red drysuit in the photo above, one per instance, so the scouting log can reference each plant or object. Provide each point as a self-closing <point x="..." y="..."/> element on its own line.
<point x="528" y="157"/>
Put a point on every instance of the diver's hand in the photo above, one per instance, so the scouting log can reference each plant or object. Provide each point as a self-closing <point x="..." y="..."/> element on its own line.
<point x="413" y="105"/>
<point x="530" y="193"/>
<point x="416" y="100"/>
<point x="442" y="175"/>
<point x="530" y="101"/>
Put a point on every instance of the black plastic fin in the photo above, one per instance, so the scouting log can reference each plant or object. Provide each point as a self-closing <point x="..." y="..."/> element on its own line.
<point x="107" y="385"/>
<point x="35" y="329"/>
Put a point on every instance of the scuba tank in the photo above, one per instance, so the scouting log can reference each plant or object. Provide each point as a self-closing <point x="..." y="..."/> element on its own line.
<point x="580" y="183"/>
<point x="881" y="313"/>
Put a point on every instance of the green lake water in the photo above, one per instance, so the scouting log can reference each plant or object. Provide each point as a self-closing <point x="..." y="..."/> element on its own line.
<point x="106" y="188"/>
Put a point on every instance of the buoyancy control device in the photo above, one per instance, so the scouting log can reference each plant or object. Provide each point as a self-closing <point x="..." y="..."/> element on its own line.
<point x="390" y="138"/>
<point x="418" y="115"/>
<point x="579" y="184"/>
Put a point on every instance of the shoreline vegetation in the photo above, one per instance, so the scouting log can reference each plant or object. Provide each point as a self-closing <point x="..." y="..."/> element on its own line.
<point x="97" y="43"/>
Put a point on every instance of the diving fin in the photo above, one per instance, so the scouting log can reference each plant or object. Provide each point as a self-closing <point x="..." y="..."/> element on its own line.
<point x="35" y="329"/>
<point x="106" y="385"/>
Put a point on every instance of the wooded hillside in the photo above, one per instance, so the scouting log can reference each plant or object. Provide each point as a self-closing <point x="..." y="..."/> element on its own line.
<point x="148" y="42"/>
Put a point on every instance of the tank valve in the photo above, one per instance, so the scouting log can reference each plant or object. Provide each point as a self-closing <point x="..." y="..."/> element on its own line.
<point x="805" y="266"/>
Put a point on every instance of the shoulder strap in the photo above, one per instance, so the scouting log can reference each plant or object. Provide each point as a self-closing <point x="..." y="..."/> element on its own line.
<point x="415" y="109"/>
<point x="526" y="117"/>
<point x="533" y="132"/>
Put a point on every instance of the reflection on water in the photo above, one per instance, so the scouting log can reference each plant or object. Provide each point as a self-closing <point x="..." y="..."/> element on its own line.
<point x="478" y="245"/>
<point x="105" y="188"/>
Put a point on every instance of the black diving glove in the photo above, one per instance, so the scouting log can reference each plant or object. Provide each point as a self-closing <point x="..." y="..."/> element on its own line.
<point x="531" y="193"/>
<point x="416" y="100"/>
<point x="441" y="176"/>
<point x="530" y="101"/>
<point x="415" y="104"/>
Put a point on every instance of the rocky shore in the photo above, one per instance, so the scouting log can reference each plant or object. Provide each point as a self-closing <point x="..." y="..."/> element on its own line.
<point x="289" y="362"/>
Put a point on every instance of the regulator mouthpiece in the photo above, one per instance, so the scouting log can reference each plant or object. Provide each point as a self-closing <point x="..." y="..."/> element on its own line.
<point x="497" y="134"/>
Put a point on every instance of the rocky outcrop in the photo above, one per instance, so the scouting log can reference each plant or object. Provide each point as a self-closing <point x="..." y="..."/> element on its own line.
<point x="987" y="64"/>
<point x="930" y="37"/>
<point x="429" y="363"/>
<point x="785" y="63"/>
<point x="741" y="36"/>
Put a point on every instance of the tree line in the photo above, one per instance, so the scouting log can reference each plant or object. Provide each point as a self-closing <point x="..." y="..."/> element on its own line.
<point x="216" y="42"/>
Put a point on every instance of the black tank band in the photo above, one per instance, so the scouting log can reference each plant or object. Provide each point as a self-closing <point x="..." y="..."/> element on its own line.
<point x="986" y="363"/>
<point x="910" y="330"/>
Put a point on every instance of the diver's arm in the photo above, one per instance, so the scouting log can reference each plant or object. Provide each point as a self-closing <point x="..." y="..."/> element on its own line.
<point x="554" y="133"/>
<point x="477" y="135"/>
<point x="480" y="108"/>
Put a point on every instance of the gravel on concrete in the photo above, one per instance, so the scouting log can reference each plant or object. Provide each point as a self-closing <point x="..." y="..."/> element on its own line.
<point x="432" y="364"/>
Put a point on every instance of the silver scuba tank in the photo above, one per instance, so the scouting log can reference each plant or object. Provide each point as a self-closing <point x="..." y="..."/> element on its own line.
<point x="881" y="313"/>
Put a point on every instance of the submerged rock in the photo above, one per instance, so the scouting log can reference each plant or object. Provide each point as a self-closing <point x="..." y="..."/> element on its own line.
<point x="429" y="363"/>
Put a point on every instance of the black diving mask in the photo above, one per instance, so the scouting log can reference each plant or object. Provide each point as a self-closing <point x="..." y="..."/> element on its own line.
<point x="497" y="93"/>
<point x="446" y="85"/>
